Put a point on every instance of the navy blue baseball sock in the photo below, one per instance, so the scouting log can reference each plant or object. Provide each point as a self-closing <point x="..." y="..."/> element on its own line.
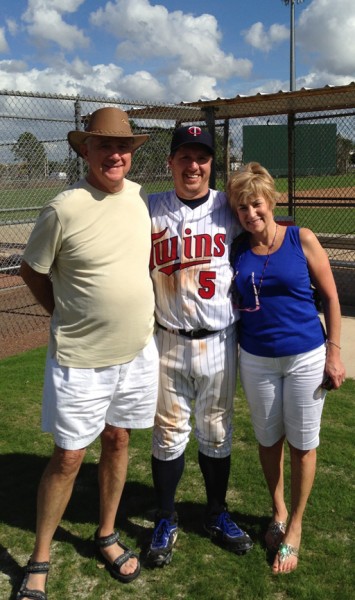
<point x="166" y="476"/>
<point x="215" y="472"/>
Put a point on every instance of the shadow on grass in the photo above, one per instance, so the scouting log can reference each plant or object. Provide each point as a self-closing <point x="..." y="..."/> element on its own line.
<point x="21" y="474"/>
<point x="11" y="569"/>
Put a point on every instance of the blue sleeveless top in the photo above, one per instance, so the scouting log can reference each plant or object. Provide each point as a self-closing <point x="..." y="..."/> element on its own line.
<point x="287" y="322"/>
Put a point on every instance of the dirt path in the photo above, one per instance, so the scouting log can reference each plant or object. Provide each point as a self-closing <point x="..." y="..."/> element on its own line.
<point x="23" y="323"/>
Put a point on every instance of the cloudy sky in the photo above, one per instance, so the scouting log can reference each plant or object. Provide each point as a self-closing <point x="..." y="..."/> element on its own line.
<point x="173" y="50"/>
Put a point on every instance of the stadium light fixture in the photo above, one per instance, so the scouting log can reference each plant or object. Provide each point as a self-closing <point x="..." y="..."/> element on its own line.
<point x="292" y="41"/>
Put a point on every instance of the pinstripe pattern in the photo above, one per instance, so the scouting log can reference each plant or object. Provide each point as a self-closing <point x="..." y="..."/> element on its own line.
<point x="199" y="376"/>
<point x="190" y="261"/>
<point x="192" y="277"/>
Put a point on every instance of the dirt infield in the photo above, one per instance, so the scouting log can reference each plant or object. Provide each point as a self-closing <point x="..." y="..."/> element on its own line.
<point x="23" y="323"/>
<point x="23" y="343"/>
<point x="334" y="195"/>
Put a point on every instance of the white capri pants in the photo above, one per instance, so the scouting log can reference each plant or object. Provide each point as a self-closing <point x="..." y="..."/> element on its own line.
<point x="200" y="372"/>
<point x="78" y="403"/>
<point x="284" y="396"/>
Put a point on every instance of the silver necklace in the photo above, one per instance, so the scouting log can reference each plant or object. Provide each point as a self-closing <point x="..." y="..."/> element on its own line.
<point x="267" y="260"/>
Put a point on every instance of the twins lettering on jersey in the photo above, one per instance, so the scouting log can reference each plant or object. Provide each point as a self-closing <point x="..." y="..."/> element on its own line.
<point x="196" y="250"/>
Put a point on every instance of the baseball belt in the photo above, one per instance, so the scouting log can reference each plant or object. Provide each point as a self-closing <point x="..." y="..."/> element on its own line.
<point x="192" y="334"/>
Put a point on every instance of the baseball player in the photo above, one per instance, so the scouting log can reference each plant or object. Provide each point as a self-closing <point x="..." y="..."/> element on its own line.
<point x="192" y="231"/>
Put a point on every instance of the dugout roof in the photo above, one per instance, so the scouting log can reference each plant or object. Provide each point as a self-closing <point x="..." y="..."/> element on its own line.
<point x="304" y="100"/>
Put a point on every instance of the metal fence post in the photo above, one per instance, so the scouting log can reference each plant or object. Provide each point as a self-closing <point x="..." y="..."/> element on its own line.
<point x="211" y="125"/>
<point x="226" y="152"/>
<point x="291" y="163"/>
<point x="78" y="122"/>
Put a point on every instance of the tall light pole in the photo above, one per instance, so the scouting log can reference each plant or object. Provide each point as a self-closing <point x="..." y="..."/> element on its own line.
<point x="292" y="41"/>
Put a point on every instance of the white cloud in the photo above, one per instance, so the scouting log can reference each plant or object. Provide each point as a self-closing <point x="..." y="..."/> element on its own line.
<point x="272" y="86"/>
<point x="326" y="35"/>
<point x="188" y="88"/>
<point x="142" y="86"/>
<point x="12" y="26"/>
<point x="12" y="66"/>
<point x="265" y="40"/>
<point x="110" y="80"/>
<point x="79" y="77"/>
<point x="312" y="80"/>
<point x="45" y="23"/>
<point x="319" y="79"/>
<point x="35" y="80"/>
<point x="148" y="32"/>
<point x="3" y="43"/>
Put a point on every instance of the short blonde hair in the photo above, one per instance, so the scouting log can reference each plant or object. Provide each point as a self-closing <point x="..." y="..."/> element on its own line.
<point x="250" y="181"/>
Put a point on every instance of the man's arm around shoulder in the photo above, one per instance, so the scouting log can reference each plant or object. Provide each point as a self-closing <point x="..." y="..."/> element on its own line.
<point x="40" y="286"/>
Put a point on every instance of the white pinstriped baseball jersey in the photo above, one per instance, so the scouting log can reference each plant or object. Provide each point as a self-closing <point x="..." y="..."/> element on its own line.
<point x="190" y="261"/>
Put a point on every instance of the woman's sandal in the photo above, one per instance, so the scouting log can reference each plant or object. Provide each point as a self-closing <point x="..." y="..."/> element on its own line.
<point x="284" y="552"/>
<point x="275" y="533"/>
<point x="115" y="566"/>
<point x="38" y="568"/>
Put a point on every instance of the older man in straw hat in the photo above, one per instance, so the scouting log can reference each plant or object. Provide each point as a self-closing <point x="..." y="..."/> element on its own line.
<point x="102" y="363"/>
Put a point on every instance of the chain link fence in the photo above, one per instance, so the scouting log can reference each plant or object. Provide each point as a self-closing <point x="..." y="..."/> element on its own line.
<point x="306" y="139"/>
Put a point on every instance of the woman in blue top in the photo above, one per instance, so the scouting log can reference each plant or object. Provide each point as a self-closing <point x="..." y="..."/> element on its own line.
<point x="284" y="352"/>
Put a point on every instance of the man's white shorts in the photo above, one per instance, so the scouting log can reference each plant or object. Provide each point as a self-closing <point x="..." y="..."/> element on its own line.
<point x="77" y="403"/>
<point x="284" y="396"/>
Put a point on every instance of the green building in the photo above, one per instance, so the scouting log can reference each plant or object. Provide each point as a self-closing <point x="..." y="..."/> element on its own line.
<point x="315" y="148"/>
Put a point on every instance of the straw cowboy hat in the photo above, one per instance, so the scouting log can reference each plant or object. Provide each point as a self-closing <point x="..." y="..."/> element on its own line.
<point x="106" y="122"/>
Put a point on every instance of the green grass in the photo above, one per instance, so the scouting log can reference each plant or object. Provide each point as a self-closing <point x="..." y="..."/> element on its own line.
<point x="281" y="184"/>
<point x="199" y="569"/>
<point x="28" y="196"/>
<point x="25" y="197"/>
<point x="339" y="221"/>
<point x="37" y="195"/>
<point x="317" y="182"/>
<point x="336" y="220"/>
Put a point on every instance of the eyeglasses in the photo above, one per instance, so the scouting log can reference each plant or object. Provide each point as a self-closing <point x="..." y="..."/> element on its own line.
<point x="236" y="296"/>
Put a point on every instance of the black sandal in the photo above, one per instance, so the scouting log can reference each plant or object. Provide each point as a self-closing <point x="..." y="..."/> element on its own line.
<point x="33" y="567"/>
<point x="115" y="566"/>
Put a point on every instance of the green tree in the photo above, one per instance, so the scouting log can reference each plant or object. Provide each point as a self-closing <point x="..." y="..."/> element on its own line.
<point x="31" y="151"/>
<point x="150" y="161"/>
